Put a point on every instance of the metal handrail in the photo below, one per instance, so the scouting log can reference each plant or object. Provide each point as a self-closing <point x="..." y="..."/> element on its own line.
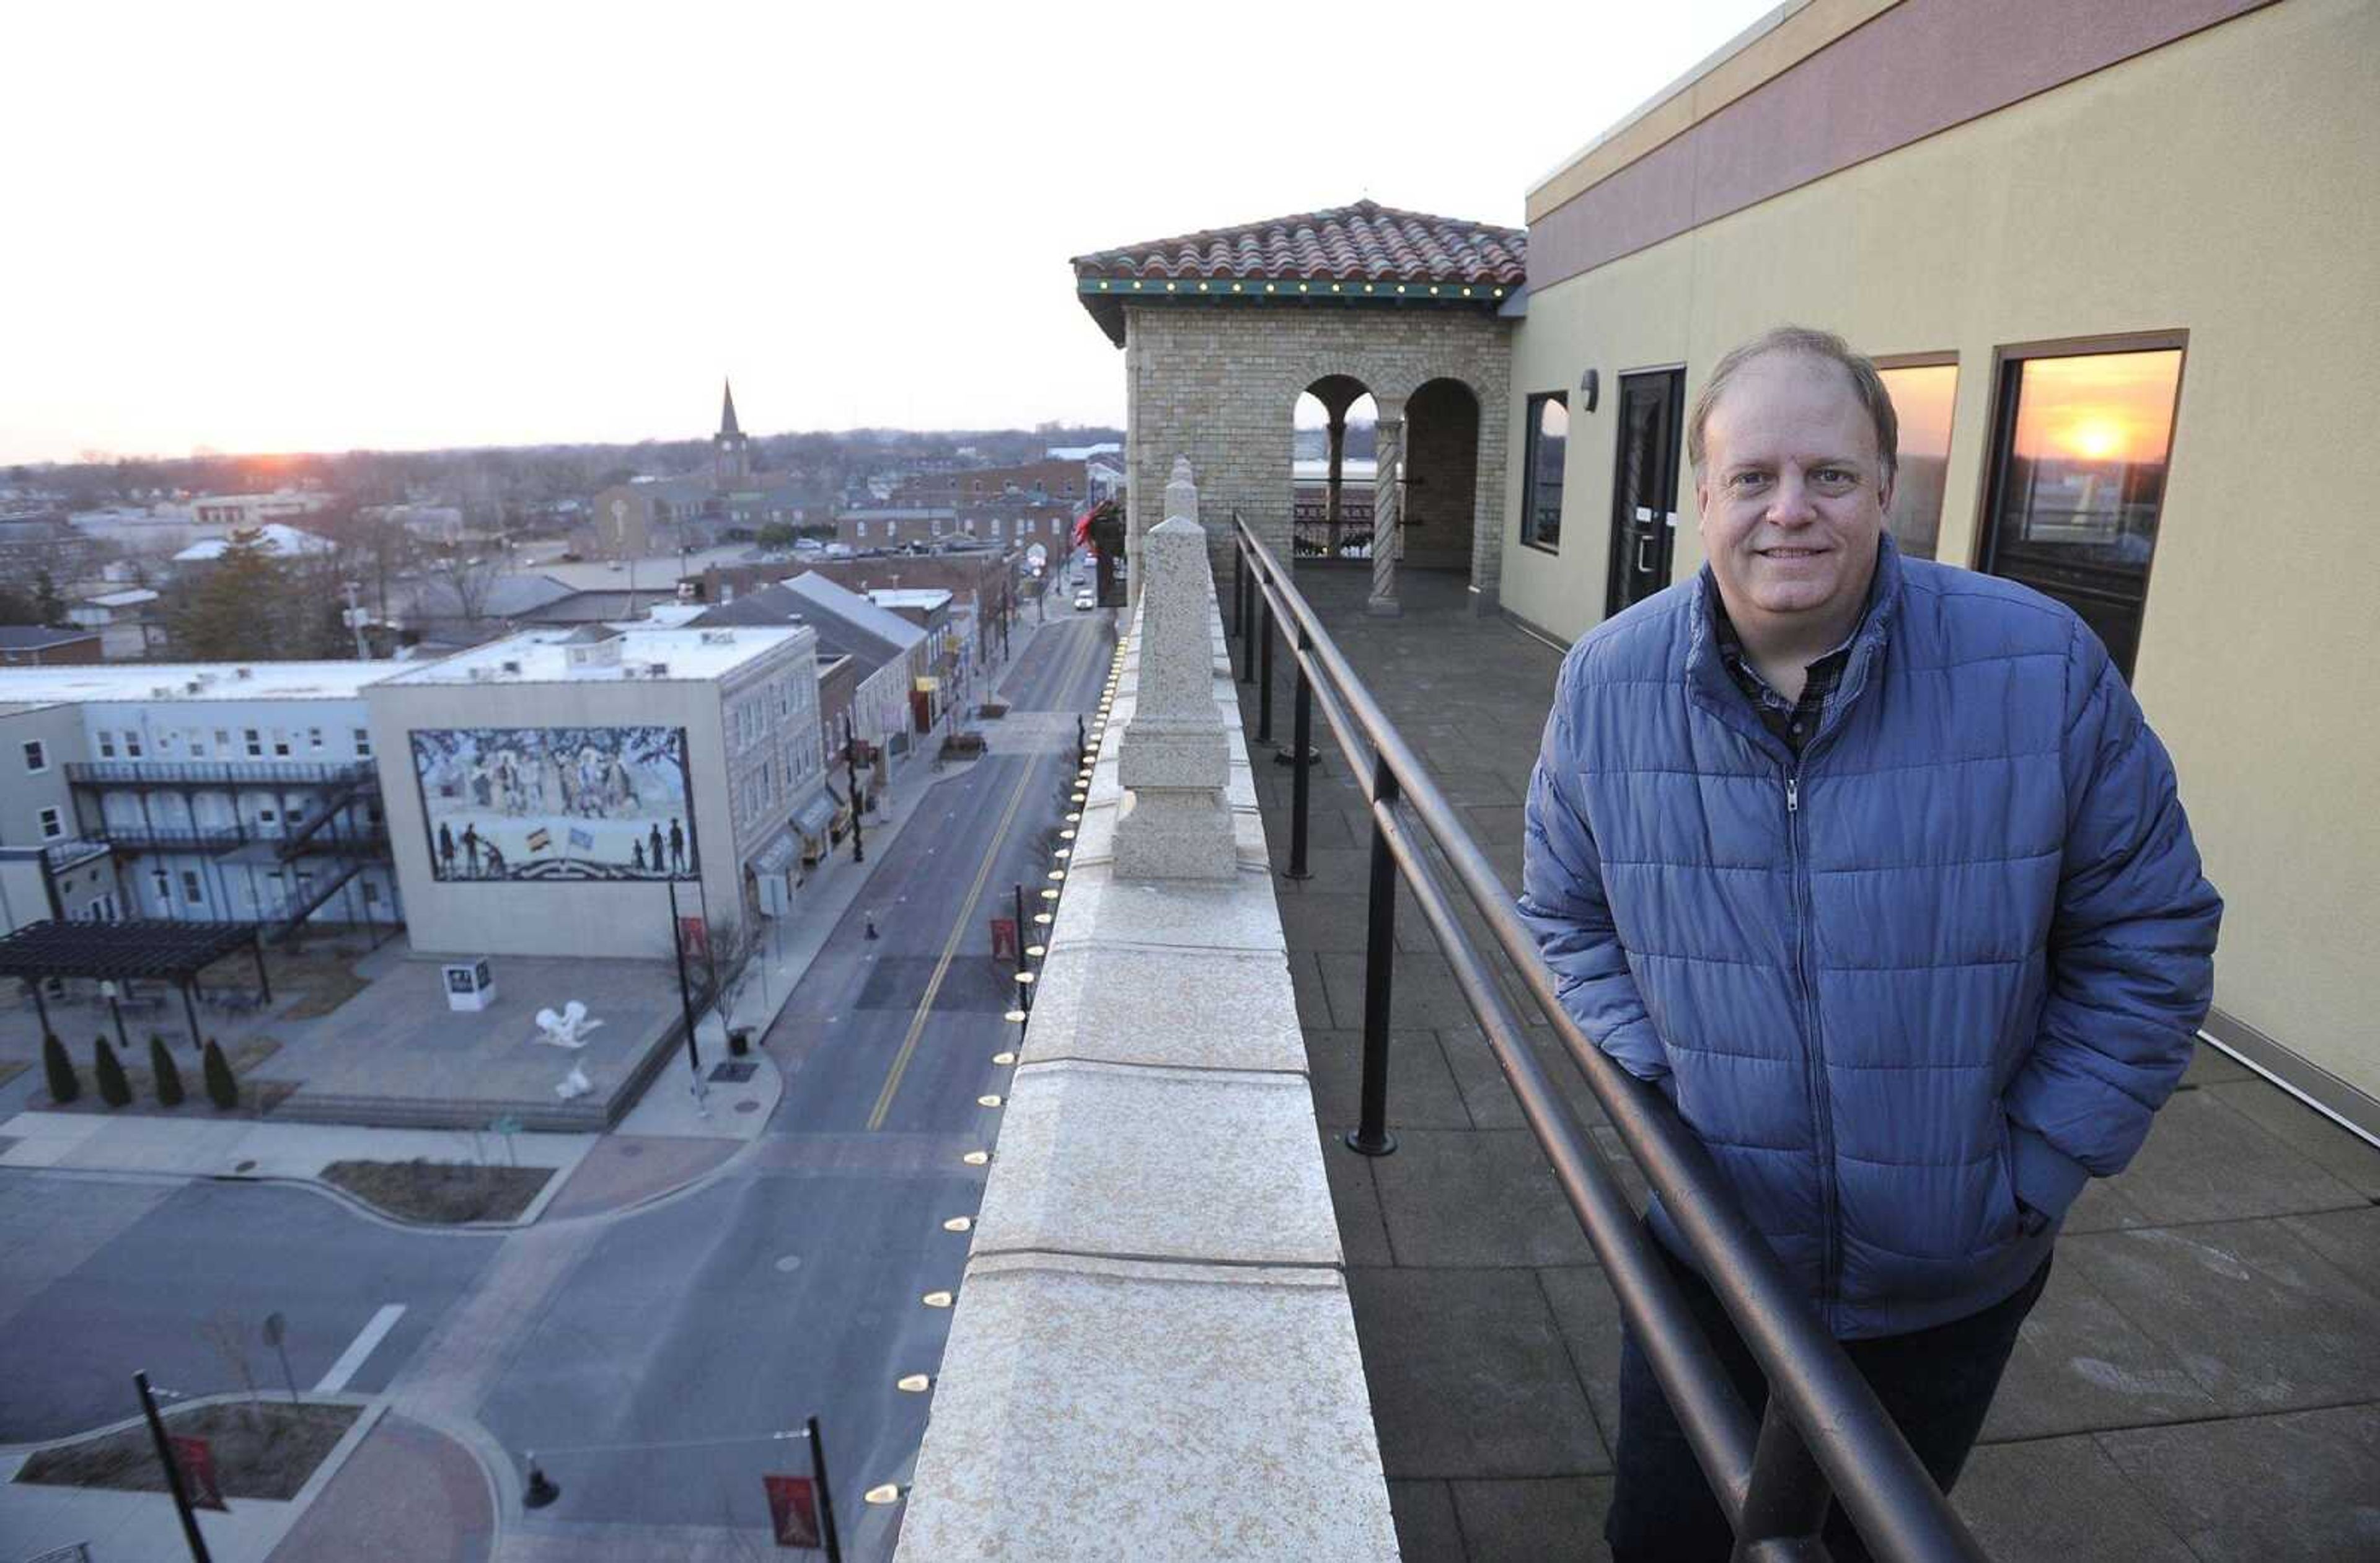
<point x="1824" y="1435"/>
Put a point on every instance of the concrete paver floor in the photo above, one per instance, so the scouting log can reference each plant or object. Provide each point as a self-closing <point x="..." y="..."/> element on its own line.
<point x="2201" y="1380"/>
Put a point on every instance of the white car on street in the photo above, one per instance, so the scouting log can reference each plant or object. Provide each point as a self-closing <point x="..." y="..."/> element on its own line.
<point x="1084" y="601"/>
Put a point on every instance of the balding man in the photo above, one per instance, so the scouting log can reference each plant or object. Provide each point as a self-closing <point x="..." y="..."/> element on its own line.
<point x="1874" y="867"/>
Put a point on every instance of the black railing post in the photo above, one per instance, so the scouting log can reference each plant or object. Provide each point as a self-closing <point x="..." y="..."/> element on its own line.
<point x="1301" y="785"/>
<point x="1247" y="622"/>
<point x="1371" y="1137"/>
<point x="1264" y="672"/>
<point x="1785" y="1504"/>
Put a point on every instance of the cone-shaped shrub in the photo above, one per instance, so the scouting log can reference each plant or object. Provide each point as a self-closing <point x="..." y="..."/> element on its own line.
<point x="168" y="1072"/>
<point x="114" y="1089"/>
<point x="222" y="1089"/>
<point x="64" y="1086"/>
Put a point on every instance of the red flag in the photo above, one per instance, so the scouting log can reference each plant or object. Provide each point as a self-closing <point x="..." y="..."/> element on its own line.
<point x="196" y="1460"/>
<point x="793" y="1510"/>
<point x="1003" y="938"/>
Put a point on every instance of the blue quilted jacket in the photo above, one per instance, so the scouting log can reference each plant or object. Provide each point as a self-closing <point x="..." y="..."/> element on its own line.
<point x="1912" y="989"/>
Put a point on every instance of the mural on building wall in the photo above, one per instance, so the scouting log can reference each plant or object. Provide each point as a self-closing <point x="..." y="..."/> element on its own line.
<point x="556" y="803"/>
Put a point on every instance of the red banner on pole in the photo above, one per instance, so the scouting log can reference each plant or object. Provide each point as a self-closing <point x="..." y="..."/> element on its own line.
<point x="793" y="1510"/>
<point x="1003" y="938"/>
<point x="197" y="1458"/>
<point x="694" y="938"/>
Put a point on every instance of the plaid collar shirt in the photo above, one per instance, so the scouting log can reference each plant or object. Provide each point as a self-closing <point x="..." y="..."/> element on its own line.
<point x="1794" y="723"/>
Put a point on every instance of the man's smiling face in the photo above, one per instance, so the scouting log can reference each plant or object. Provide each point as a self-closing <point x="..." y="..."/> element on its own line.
<point x="1792" y="496"/>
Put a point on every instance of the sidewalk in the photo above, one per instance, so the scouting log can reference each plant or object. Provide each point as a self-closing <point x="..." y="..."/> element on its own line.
<point x="130" y="1526"/>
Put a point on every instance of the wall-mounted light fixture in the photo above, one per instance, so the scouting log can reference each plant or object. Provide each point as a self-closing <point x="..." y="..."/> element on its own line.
<point x="1587" y="387"/>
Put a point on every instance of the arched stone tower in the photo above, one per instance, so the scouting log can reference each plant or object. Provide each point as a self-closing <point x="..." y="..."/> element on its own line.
<point x="1223" y="331"/>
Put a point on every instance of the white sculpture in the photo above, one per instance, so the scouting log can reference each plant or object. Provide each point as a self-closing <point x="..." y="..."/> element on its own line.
<point x="573" y="1085"/>
<point x="567" y="1029"/>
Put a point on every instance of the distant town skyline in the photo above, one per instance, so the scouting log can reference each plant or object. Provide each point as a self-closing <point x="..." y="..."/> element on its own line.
<point x="281" y="229"/>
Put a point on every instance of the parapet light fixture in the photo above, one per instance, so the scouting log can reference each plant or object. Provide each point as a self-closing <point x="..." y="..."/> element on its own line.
<point x="913" y="1383"/>
<point x="977" y="1158"/>
<point x="888" y="1492"/>
<point x="1003" y="1059"/>
<point x="938" y="1300"/>
<point x="987" y="1100"/>
<point x="959" y="1224"/>
<point x="1049" y="895"/>
<point x="1043" y="918"/>
<point x="1014" y="1017"/>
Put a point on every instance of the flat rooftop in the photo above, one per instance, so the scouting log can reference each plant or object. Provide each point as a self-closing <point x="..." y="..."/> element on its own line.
<point x="543" y="656"/>
<point x="2201" y="1379"/>
<point x="82" y="682"/>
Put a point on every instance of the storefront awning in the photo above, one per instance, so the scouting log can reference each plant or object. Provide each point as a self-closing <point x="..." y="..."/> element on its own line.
<point x="813" y="817"/>
<point x="776" y="857"/>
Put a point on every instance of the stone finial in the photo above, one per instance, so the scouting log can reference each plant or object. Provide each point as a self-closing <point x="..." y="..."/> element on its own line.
<point x="1175" y="756"/>
<point x="1180" y="492"/>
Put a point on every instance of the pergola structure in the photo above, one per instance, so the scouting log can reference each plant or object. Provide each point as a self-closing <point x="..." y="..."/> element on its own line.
<point x="117" y="952"/>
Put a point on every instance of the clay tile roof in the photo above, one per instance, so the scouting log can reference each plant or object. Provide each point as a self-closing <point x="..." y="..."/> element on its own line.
<point x="1365" y="241"/>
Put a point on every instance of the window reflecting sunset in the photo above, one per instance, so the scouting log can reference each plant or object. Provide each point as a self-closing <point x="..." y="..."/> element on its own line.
<point x="1923" y="398"/>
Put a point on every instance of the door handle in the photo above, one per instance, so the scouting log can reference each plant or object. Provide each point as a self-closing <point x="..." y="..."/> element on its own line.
<point x="1644" y="563"/>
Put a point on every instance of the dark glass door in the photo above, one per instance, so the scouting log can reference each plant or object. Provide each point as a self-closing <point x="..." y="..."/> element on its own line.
<point x="1644" y="484"/>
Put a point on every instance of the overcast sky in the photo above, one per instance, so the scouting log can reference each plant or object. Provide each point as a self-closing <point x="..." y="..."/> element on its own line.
<point x="315" y="226"/>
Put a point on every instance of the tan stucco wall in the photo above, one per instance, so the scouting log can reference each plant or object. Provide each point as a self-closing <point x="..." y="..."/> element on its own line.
<point x="2222" y="186"/>
<point x="555" y="918"/>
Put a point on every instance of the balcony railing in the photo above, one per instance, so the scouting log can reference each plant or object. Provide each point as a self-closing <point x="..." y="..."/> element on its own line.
<point x="210" y="773"/>
<point x="171" y="838"/>
<point x="349" y="838"/>
<point x="1823" y="1437"/>
<point x="66" y="855"/>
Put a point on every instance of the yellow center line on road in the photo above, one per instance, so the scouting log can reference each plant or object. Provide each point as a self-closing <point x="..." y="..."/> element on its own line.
<point x="967" y="917"/>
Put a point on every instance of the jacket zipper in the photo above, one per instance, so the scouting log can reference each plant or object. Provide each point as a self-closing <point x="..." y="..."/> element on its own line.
<point x="1822" y="1115"/>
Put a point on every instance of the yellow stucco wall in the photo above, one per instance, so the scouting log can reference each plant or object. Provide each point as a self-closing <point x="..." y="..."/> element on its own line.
<point x="2225" y="186"/>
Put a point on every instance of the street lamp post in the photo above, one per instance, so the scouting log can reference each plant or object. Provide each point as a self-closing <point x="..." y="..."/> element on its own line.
<point x="684" y="999"/>
<point x="851" y="762"/>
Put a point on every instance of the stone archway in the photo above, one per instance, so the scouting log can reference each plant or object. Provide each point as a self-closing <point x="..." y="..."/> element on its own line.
<point x="1331" y="518"/>
<point x="1441" y="476"/>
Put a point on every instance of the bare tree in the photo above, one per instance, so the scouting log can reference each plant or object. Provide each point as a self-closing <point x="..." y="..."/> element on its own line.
<point x="466" y="580"/>
<point x="224" y="1334"/>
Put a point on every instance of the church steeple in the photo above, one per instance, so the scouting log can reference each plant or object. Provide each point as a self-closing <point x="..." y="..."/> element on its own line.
<point x="731" y="450"/>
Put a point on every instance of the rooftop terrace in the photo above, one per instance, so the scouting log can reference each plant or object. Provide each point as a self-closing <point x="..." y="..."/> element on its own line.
<point x="2201" y="1380"/>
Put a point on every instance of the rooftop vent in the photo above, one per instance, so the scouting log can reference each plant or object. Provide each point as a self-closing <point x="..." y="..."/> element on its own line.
<point x="512" y="667"/>
<point x="243" y="673"/>
<point x="719" y="637"/>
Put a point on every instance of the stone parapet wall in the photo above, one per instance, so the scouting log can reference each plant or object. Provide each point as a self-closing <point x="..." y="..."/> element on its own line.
<point x="1221" y="386"/>
<point x="1153" y="1354"/>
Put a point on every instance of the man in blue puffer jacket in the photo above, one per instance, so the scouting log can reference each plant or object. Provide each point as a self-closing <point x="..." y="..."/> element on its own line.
<point x="1873" y="866"/>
